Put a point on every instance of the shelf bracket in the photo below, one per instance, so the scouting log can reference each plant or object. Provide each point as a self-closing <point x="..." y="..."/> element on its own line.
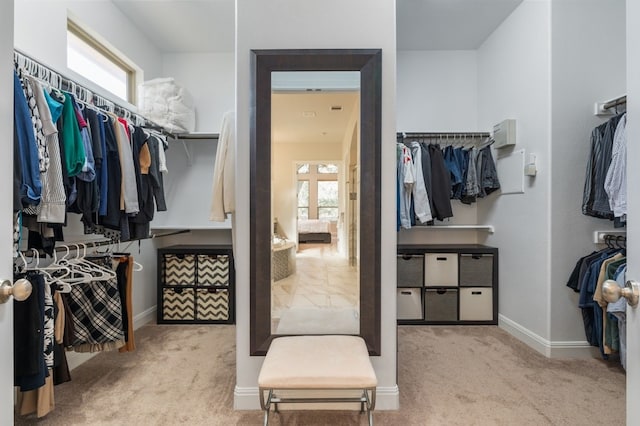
<point x="188" y="154"/>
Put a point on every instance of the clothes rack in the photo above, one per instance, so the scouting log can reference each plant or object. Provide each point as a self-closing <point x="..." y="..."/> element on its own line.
<point x="443" y="135"/>
<point x="599" y="237"/>
<point x="604" y="108"/>
<point x="622" y="100"/>
<point x="100" y="243"/>
<point x="58" y="80"/>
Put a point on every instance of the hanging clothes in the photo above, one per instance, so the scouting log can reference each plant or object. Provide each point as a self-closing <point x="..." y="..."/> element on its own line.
<point x="52" y="208"/>
<point x="421" y="200"/>
<point x="124" y="272"/>
<point x="96" y="312"/>
<point x="595" y="201"/>
<point x="156" y="147"/>
<point x="615" y="183"/>
<point x="30" y="368"/>
<point x="441" y="185"/>
<point x="29" y="184"/>
<point x="587" y="278"/>
<point x="74" y="155"/>
<point x="223" y="196"/>
<point x="406" y="180"/>
<point x="446" y="173"/>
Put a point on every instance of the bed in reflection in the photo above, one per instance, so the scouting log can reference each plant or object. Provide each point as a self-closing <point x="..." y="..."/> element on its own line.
<point x="314" y="231"/>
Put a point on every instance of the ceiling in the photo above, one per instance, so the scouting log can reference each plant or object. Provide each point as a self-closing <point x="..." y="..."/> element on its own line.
<point x="196" y="26"/>
<point x="206" y="26"/>
<point x="184" y="26"/>
<point x="448" y="24"/>
<point x="299" y="117"/>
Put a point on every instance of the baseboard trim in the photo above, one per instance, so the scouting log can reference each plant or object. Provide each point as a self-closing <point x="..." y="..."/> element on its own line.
<point x="246" y="398"/>
<point x="144" y="317"/>
<point x="557" y="349"/>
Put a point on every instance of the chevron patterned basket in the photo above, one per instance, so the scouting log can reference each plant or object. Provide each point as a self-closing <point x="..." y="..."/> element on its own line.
<point x="178" y="304"/>
<point x="213" y="270"/>
<point x="212" y="305"/>
<point x="179" y="269"/>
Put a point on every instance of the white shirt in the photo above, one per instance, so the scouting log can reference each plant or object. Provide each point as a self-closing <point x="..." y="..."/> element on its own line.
<point x="615" y="183"/>
<point x="223" y="201"/>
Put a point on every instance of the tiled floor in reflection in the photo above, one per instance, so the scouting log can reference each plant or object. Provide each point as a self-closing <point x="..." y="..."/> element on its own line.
<point x="322" y="295"/>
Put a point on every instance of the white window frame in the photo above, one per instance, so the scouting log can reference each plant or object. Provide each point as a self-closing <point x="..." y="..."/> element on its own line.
<point x="109" y="54"/>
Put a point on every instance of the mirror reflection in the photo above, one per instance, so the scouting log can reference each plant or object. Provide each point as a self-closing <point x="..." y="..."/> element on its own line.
<point x="315" y="202"/>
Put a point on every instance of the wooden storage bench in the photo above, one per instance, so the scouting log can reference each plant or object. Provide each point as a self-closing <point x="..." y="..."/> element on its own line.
<point x="317" y="363"/>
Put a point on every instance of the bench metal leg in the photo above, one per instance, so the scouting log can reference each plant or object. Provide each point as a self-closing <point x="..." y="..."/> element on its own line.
<point x="266" y="405"/>
<point x="371" y="403"/>
<point x="367" y="402"/>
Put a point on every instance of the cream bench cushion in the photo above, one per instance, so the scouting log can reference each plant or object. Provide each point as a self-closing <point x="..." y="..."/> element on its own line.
<point x="317" y="362"/>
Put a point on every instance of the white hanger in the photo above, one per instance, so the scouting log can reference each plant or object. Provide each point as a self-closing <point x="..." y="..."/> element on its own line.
<point x="78" y="275"/>
<point x="64" y="287"/>
<point x="99" y="273"/>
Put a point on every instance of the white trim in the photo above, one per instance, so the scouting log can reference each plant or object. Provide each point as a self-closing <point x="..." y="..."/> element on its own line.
<point x="246" y="398"/>
<point x="144" y="317"/>
<point x="558" y="349"/>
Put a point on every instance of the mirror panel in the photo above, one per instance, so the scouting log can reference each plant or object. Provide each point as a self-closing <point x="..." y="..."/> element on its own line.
<point x="368" y="63"/>
<point x="314" y="123"/>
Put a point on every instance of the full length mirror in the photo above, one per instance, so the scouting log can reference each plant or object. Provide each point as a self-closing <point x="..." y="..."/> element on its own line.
<point x="315" y="146"/>
<point x="303" y="177"/>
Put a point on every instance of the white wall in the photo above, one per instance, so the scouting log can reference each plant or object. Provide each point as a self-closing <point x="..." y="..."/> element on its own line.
<point x="209" y="78"/>
<point x="587" y="66"/>
<point x="633" y="205"/>
<point x="305" y="25"/>
<point x="41" y="31"/>
<point x="514" y="82"/>
<point x="437" y="91"/>
<point x="284" y="181"/>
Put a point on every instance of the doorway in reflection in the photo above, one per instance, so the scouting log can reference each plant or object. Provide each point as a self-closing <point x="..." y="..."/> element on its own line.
<point x="314" y="203"/>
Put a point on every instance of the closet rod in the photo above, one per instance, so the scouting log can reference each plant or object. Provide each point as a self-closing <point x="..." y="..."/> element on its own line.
<point x="599" y="236"/>
<point x="603" y="108"/>
<point x="100" y="243"/>
<point x="436" y="135"/>
<point x="622" y="100"/>
<point x="180" y="136"/>
<point x="57" y="79"/>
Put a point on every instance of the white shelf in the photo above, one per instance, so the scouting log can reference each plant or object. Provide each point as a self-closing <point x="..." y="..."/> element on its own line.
<point x="196" y="135"/>
<point x="487" y="228"/>
<point x="183" y="137"/>
<point x="191" y="228"/>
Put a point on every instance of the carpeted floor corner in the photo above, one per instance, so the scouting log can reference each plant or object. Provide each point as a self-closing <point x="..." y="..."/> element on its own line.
<point x="185" y="375"/>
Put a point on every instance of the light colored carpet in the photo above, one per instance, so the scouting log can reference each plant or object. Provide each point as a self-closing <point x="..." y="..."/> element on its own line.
<point x="447" y="376"/>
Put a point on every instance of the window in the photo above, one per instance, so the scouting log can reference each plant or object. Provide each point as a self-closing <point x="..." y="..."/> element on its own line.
<point x="318" y="191"/>
<point x="303" y="199"/>
<point x="328" y="199"/>
<point x="92" y="60"/>
<point x="327" y="168"/>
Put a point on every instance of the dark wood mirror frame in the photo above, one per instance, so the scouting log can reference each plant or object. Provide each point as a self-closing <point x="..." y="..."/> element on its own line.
<point x="369" y="63"/>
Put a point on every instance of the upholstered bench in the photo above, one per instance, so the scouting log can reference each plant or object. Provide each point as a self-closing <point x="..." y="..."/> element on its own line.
<point x="317" y="363"/>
